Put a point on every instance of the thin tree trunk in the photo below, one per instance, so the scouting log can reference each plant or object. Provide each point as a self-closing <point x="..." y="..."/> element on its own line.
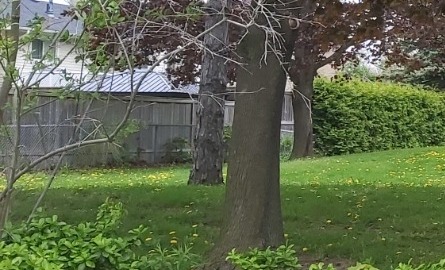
<point x="302" y="109"/>
<point x="11" y="57"/>
<point x="5" y="208"/>
<point x="252" y="205"/>
<point x="208" y="146"/>
<point x="6" y="86"/>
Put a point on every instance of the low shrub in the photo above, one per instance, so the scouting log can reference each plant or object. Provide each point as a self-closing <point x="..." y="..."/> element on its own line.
<point x="50" y="244"/>
<point x="284" y="258"/>
<point x="177" y="151"/>
<point x="286" y="143"/>
<point x="355" y="116"/>
<point x="227" y="136"/>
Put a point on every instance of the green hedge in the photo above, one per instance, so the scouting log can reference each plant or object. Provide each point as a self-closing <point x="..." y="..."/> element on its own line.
<point x="355" y="116"/>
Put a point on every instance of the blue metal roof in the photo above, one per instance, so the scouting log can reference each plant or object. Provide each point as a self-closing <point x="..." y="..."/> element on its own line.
<point x="124" y="82"/>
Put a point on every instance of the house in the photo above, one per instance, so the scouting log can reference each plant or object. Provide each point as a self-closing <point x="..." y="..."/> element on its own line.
<point x="54" y="22"/>
<point x="51" y="11"/>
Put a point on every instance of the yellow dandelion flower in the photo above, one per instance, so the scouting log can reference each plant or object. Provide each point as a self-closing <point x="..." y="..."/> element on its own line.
<point x="173" y="241"/>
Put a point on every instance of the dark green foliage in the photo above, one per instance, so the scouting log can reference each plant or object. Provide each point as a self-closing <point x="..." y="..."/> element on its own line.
<point x="355" y="116"/>
<point x="428" y="70"/>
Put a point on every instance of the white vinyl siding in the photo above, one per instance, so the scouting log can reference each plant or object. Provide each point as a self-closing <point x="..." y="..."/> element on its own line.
<point x="24" y="64"/>
<point x="70" y="62"/>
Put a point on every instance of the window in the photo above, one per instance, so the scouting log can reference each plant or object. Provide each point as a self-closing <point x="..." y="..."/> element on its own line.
<point x="40" y="49"/>
<point x="37" y="49"/>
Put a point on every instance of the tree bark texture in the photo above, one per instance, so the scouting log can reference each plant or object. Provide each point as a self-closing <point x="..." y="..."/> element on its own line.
<point x="253" y="215"/>
<point x="13" y="35"/>
<point x="208" y="143"/>
<point x="302" y="107"/>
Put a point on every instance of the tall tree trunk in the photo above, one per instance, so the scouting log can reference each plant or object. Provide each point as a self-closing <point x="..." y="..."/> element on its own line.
<point x="5" y="88"/>
<point x="302" y="109"/>
<point x="252" y="205"/>
<point x="302" y="76"/>
<point x="208" y="152"/>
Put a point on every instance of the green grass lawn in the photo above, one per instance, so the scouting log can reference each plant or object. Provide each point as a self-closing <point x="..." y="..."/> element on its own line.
<point x="382" y="207"/>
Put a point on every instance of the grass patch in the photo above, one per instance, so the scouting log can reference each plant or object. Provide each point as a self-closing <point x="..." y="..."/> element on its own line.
<point x="381" y="207"/>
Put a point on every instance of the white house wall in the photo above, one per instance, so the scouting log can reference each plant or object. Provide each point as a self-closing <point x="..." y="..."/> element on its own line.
<point x="70" y="63"/>
<point x="25" y="65"/>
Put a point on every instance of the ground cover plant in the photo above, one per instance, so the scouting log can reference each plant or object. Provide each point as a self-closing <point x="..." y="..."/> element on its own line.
<point x="382" y="208"/>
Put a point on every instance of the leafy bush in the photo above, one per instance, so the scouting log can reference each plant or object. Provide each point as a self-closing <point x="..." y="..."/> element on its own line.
<point x="322" y="266"/>
<point x="286" y="143"/>
<point x="431" y="266"/>
<point x="227" y="135"/>
<point x="283" y="258"/>
<point x="431" y="73"/>
<point x="176" y="151"/>
<point x="401" y="266"/>
<point x="355" y="116"/>
<point x="50" y="244"/>
<point x="359" y="71"/>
